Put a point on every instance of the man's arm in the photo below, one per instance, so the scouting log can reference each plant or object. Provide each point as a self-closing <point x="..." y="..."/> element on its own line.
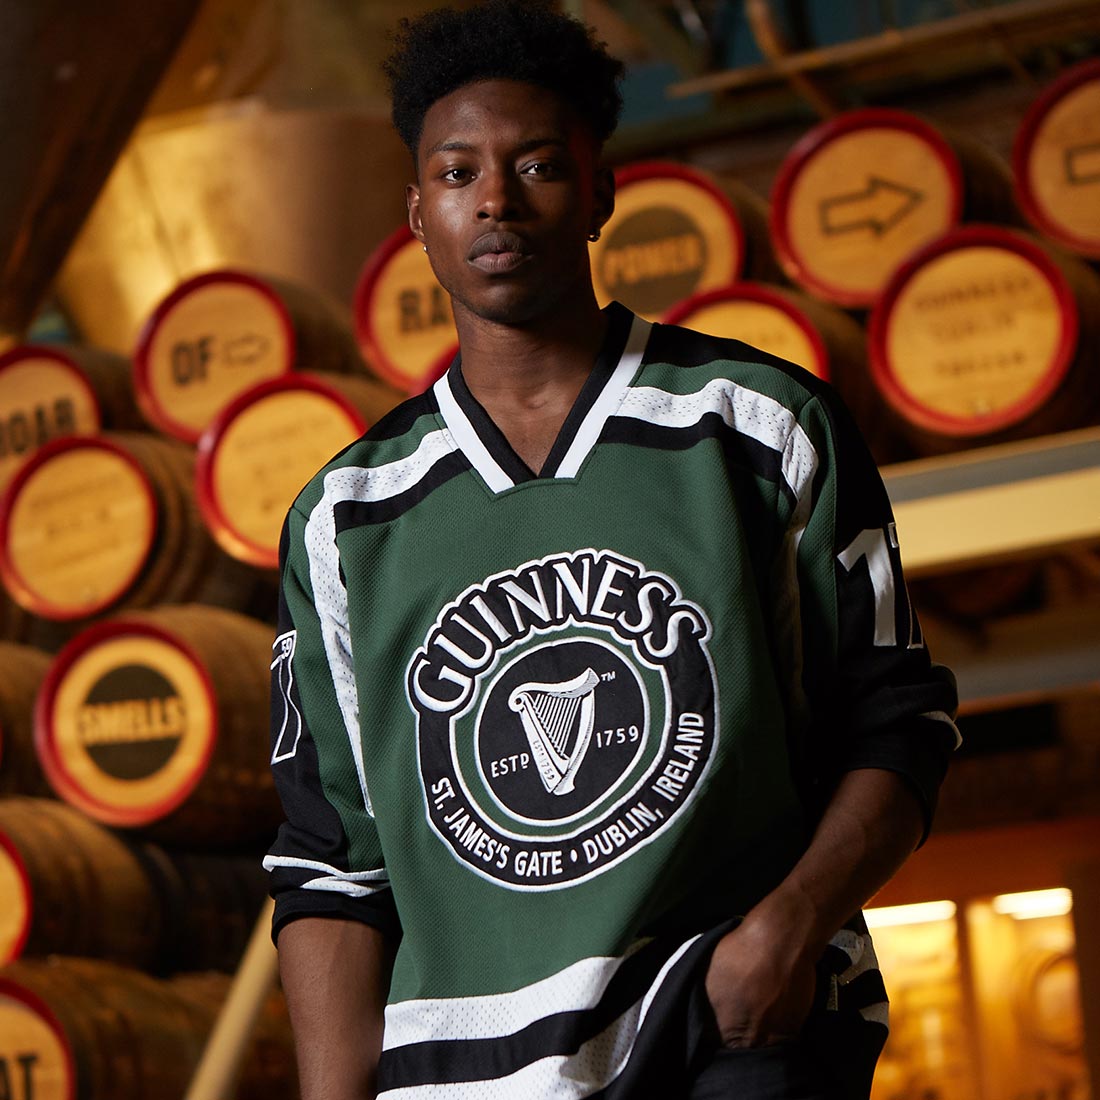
<point x="761" y="977"/>
<point x="877" y="743"/>
<point x="335" y="974"/>
<point x="335" y="921"/>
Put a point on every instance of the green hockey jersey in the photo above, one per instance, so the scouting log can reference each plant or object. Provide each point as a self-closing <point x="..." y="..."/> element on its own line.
<point x="556" y="731"/>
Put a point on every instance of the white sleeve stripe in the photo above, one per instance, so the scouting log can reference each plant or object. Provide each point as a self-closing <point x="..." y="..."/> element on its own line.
<point x="271" y="862"/>
<point x="578" y="986"/>
<point x="745" y="411"/>
<point x="339" y="886"/>
<point x="355" y="483"/>
<point x="941" y="716"/>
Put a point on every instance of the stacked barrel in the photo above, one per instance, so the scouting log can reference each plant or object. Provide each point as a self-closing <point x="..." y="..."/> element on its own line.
<point x="139" y="528"/>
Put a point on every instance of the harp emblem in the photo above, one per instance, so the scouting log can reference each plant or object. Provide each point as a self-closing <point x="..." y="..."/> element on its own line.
<point x="558" y="720"/>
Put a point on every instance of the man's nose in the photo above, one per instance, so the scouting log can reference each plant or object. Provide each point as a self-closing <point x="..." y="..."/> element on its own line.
<point x="501" y="197"/>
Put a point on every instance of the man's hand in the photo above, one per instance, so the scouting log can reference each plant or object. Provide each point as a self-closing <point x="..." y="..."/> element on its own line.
<point x="761" y="979"/>
<point x="760" y="989"/>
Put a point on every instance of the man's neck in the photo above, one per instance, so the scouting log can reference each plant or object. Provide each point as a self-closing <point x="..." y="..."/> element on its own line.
<point x="527" y="377"/>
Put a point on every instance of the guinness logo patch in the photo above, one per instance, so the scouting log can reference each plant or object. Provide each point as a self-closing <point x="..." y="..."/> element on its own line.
<point x="566" y="714"/>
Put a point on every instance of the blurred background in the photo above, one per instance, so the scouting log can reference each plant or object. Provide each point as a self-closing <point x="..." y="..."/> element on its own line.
<point x="207" y="288"/>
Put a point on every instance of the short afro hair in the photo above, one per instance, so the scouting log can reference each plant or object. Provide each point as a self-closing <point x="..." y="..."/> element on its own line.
<point x="524" y="40"/>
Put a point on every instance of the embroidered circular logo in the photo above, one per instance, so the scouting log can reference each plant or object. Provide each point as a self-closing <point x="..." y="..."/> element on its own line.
<point x="566" y="713"/>
<point x="560" y="726"/>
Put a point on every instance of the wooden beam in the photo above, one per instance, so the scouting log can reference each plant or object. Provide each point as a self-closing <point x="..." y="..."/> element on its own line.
<point x="1023" y="659"/>
<point x="662" y="34"/>
<point x="74" y="79"/>
<point x="1015" y="500"/>
<point x="985" y="28"/>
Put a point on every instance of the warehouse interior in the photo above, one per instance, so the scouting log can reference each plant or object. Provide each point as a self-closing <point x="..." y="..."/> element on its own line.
<point x="203" y="249"/>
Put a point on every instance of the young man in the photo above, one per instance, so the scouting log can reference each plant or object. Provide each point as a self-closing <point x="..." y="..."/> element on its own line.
<point x="598" y="697"/>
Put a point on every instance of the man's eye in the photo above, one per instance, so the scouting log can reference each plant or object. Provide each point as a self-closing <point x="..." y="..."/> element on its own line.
<point x="456" y="175"/>
<point x="541" y="168"/>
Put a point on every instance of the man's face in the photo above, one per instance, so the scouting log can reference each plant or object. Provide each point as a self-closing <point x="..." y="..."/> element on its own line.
<point x="507" y="193"/>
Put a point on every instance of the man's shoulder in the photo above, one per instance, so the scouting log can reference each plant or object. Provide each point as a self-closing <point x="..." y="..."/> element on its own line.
<point x="686" y="358"/>
<point x="393" y="440"/>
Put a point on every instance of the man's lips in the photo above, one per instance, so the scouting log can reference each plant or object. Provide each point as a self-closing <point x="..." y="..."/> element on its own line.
<point x="498" y="251"/>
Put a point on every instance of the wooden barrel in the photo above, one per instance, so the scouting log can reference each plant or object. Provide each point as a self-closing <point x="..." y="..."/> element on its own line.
<point x="267" y="443"/>
<point x="73" y="887"/>
<point x="861" y="192"/>
<point x="159" y="720"/>
<point x="403" y="317"/>
<point x="222" y="332"/>
<point x="817" y="336"/>
<point x="89" y="524"/>
<point x="269" y="1070"/>
<point x="19" y="626"/>
<point x="50" y="391"/>
<point x="678" y="231"/>
<point x="209" y="904"/>
<point x="1056" y="160"/>
<point x="80" y="890"/>
<point x="987" y="335"/>
<point x="83" y="1029"/>
<point x="22" y="670"/>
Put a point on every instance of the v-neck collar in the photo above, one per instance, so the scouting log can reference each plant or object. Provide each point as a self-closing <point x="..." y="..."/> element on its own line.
<point x="486" y="446"/>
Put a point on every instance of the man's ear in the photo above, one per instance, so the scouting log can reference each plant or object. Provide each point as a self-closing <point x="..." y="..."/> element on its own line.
<point x="605" y="198"/>
<point x="412" y="201"/>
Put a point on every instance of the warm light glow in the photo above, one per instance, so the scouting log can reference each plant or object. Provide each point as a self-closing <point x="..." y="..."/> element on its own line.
<point x="1035" y="903"/>
<point x="922" y="913"/>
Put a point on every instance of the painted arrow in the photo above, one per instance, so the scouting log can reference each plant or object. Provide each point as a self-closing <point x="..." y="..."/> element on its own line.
<point x="245" y="349"/>
<point x="1083" y="163"/>
<point x="878" y="207"/>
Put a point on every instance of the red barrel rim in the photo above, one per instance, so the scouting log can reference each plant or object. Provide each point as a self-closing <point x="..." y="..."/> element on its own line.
<point x="878" y="331"/>
<point x="15" y="355"/>
<point x="765" y="295"/>
<point x="44" y="732"/>
<point x="645" y="170"/>
<point x="21" y="870"/>
<point x="14" y="582"/>
<point x="9" y="987"/>
<point x="220" y="522"/>
<point x="1070" y="80"/>
<point x="150" y="406"/>
<point x="363" y="304"/>
<point x="807" y="147"/>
